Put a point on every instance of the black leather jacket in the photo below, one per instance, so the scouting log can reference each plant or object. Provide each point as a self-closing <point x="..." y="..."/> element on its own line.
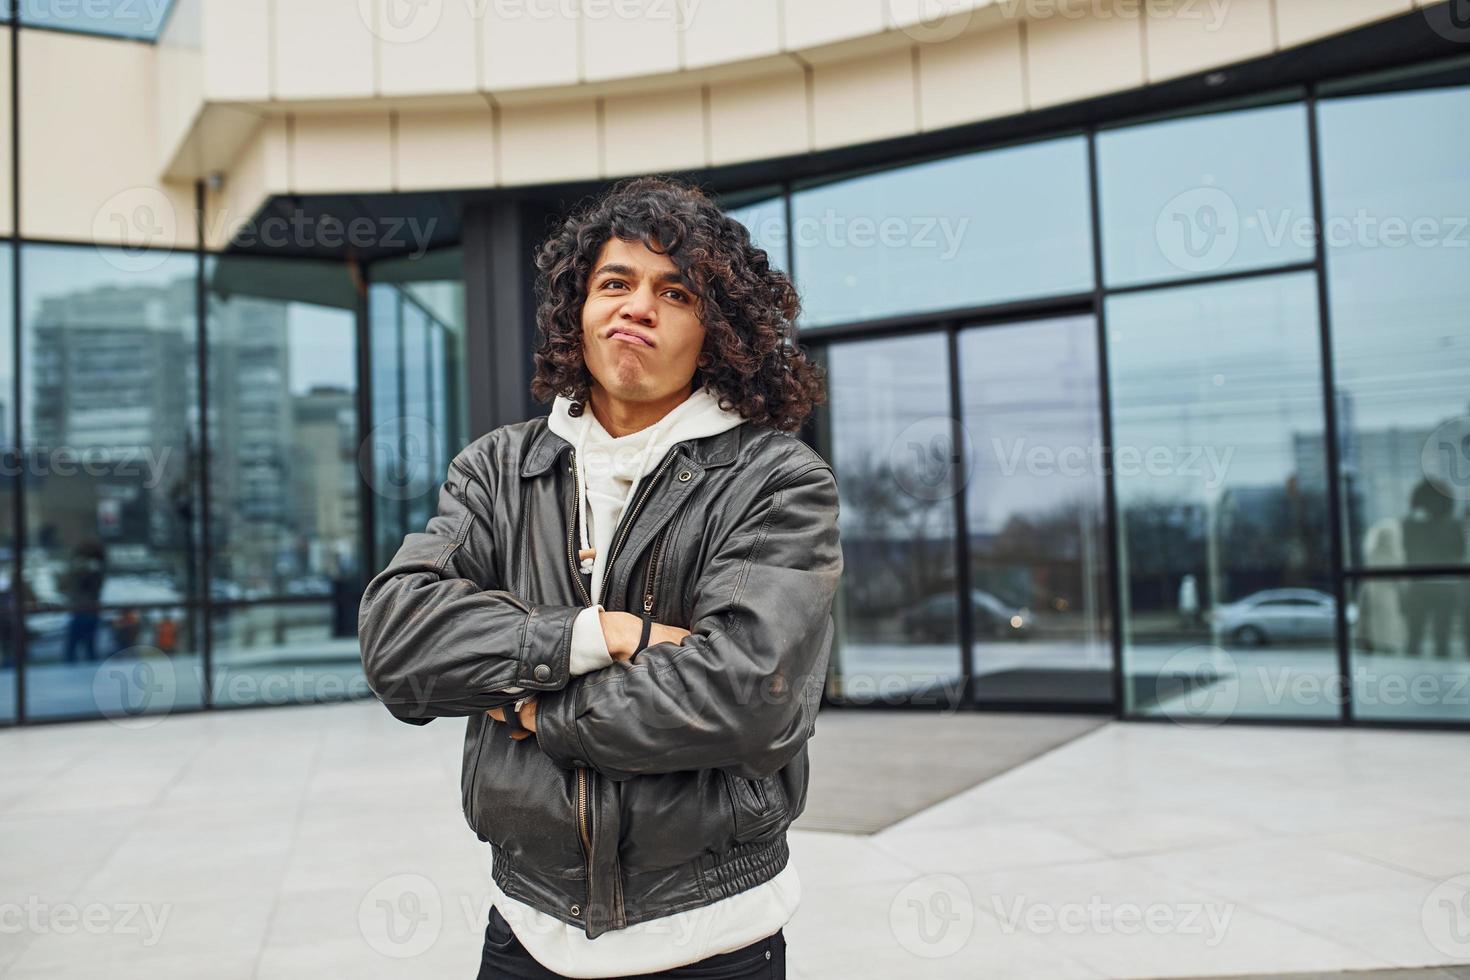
<point x="654" y="785"/>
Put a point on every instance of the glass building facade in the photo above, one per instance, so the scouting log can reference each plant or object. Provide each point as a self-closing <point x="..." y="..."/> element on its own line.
<point x="1166" y="417"/>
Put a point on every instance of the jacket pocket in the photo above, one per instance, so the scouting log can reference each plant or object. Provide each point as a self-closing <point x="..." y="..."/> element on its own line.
<point x="759" y="805"/>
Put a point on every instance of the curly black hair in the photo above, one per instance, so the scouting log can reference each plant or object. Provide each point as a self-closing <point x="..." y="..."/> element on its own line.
<point x="747" y="307"/>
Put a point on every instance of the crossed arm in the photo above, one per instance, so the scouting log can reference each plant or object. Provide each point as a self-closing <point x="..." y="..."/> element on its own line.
<point x="738" y="690"/>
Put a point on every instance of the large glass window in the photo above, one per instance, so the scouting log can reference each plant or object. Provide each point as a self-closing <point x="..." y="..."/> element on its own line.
<point x="284" y="450"/>
<point x="1399" y="285"/>
<point x="417" y="322"/>
<point x="766" y="222"/>
<point x="891" y="447"/>
<point x="10" y="605"/>
<point x="965" y="231"/>
<point x="1208" y="194"/>
<point x="109" y="416"/>
<point x="1034" y="504"/>
<point x="1227" y="591"/>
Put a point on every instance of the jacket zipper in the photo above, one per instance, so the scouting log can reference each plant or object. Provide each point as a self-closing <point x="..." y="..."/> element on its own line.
<point x="628" y="524"/>
<point x="652" y="577"/>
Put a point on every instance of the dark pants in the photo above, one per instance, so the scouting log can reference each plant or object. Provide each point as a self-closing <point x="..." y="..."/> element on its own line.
<point x="505" y="957"/>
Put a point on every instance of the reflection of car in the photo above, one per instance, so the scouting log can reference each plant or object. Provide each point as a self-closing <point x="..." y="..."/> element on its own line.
<point x="1277" y="616"/>
<point x="937" y="618"/>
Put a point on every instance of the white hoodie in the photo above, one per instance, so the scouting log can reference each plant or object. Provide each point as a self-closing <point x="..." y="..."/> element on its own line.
<point x="608" y="471"/>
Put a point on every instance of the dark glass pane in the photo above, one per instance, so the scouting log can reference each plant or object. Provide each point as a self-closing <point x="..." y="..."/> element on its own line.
<point x="284" y="481"/>
<point x="111" y="420"/>
<point x="287" y="653"/>
<point x="1411" y="649"/>
<point x="116" y="18"/>
<point x="131" y="665"/>
<point x="1203" y="195"/>
<point x="1217" y="422"/>
<point x="890" y="442"/>
<point x="1399" y="284"/>
<point x="766" y="222"/>
<point x="8" y="597"/>
<point x="1035" y="509"/>
<point x="416" y="310"/>
<point x="965" y="231"/>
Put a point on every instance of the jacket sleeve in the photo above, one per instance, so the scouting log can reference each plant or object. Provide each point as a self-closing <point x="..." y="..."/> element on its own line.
<point x="741" y="691"/>
<point x="439" y="637"/>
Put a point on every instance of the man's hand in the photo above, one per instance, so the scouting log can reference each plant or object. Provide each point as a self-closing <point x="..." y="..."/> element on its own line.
<point x="621" y="631"/>
<point x="527" y="716"/>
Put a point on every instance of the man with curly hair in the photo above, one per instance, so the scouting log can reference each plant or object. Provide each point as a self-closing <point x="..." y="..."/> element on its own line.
<point x="638" y="634"/>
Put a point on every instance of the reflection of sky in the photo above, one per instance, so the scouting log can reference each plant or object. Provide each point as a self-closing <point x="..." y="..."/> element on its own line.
<point x="1401" y="315"/>
<point x="320" y="343"/>
<point x="967" y="230"/>
<point x="1232" y="366"/>
<point x="1030" y="387"/>
<point x="766" y="222"/>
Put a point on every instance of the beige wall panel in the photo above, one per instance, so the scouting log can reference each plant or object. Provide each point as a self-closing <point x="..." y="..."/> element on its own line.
<point x="89" y="147"/>
<point x="236" y="38"/>
<point x="427" y="49"/>
<point x="179" y="63"/>
<point x="441" y="150"/>
<point x="1188" y="38"/>
<point x="1071" y="56"/>
<point x="863" y="100"/>
<point x="541" y="144"/>
<point x="731" y="30"/>
<point x="1300" y="21"/>
<point x="341" y="153"/>
<point x="322" y="50"/>
<point x="628" y="38"/>
<point x="648" y="133"/>
<point x="813" y="22"/>
<point x="759" y="118"/>
<point x="528" y="44"/>
<point x="262" y="169"/>
<point x="972" y="77"/>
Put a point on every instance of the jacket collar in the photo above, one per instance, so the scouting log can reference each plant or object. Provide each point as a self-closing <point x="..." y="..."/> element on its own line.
<point x="711" y="451"/>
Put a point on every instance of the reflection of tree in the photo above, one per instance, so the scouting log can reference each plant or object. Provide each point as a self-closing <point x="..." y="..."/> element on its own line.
<point x="900" y="546"/>
<point x="1040" y="559"/>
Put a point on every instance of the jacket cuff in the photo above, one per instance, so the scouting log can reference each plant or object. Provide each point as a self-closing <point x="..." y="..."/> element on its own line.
<point x="556" y="728"/>
<point x="546" y="647"/>
<point x="589" y="646"/>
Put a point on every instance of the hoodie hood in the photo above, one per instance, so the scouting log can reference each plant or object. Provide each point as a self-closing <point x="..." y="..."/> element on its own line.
<point x="604" y="463"/>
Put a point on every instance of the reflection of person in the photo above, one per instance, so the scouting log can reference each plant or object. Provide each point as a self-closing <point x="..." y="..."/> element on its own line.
<point x="1432" y="536"/>
<point x="84" y="590"/>
<point x="1381" y="624"/>
<point x="1188" y="602"/>
<point x="677" y="715"/>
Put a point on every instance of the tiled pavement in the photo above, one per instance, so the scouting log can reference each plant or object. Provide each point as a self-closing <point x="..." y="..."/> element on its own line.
<point x="273" y="843"/>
